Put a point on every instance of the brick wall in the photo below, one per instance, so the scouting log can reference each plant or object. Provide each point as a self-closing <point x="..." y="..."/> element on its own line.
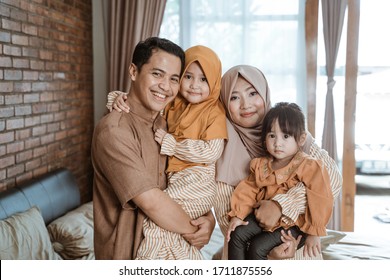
<point x="46" y="90"/>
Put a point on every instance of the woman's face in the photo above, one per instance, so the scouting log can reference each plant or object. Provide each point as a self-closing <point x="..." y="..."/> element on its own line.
<point x="246" y="106"/>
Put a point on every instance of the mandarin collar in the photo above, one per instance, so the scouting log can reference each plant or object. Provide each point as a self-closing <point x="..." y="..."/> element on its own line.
<point x="142" y="112"/>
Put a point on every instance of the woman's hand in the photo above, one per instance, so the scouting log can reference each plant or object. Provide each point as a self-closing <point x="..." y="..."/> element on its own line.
<point x="120" y="104"/>
<point x="287" y="249"/>
<point x="234" y="222"/>
<point x="159" y="135"/>
<point x="202" y="236"/>
<point x="312" y="246"/>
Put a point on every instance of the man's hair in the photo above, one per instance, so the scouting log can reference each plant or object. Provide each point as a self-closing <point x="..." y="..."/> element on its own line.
<point x="290" y="118"/>
<point x="144" y="50"/>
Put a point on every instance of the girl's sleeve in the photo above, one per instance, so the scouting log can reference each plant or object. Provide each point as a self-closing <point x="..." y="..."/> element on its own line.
<point x="244" y="197"/>
<point x="198" y="151"/>
<point x="293" y="203"/>
<point x="111" y="98"/>
<point x="319" y="197"/>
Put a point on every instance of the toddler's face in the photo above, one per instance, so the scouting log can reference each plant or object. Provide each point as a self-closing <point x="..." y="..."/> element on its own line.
<point x="194" y="86"/>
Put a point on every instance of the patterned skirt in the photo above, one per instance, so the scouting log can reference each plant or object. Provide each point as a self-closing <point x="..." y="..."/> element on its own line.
<point x="194" y="189"/>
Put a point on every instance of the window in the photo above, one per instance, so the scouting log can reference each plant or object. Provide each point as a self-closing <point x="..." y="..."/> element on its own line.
<point x="268" y="34"/>
<point x="373" y="87"/>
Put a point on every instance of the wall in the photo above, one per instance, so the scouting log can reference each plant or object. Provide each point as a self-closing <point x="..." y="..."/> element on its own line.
<point x="46" y="90"/>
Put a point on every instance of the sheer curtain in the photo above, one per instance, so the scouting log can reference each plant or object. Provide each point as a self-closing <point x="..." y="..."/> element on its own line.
<point x="129" y="22"/>
<point x="262" y="33"/>
<point x="333" y="12"/>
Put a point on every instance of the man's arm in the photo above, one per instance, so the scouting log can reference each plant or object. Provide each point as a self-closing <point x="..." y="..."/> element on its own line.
<point x="165" y="212"/>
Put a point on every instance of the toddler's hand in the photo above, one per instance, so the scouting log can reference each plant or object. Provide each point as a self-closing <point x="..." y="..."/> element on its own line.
<point x="312" y="246"/>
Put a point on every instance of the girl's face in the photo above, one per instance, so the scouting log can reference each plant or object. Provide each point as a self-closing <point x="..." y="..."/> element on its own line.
<point x="194" y="86"/>
<point x="246" y="105"/>
<point x="281" y="145"/>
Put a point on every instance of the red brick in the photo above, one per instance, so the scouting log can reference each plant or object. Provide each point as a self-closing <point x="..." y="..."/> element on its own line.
<point x="7" y="161"/>
<point x="15" y="147"/>
<point x="14" y="123"/>
<point x="23" y="178"/>
<point x="31" y="75"/>
<point x="22" y="110"/>
<point x="46" y="139"/>
<point x="19" y="40"/>
<point x="12" y="74"/>
<point x="31" y="143"/>
<point x="38" y="108"/>
<point x="12" y="50"/>
<point x="3" y="175"/>
<point x="5" y="62"/>
<point x="6" y="87"/>
<point x="22" y="87"/>
<point x="40" y="171"/>
<point x="11" y="24"/>
<point x="6" y="137"/>
<point x="30" y="52"/>
<point x="7" y="112"/>
<point x="20" y="63"/>
<point x="39" y="130"/>
<point x="13" y="99"/>
<point x="37" y="65"/>
<point x="33" y="164"/>
<point x="40" y="151"/>
<point x="22" y="134"/>
<point x="24" y="156"/>
<point x="15" y="170"/>
<point x="29" y="29"/>
<point x="31" y="121"/>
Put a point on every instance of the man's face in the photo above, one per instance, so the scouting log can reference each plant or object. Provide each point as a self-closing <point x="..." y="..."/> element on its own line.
<point x="157" y="83"/>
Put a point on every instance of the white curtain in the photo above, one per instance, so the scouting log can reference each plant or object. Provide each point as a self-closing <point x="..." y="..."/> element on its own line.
<point x="262" y="33"/>
<point x="333" y="12"/>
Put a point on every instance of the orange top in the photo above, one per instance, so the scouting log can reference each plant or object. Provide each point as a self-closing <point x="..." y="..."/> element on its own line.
<point x="264" y="183"/>
<point x="202" y="121"/>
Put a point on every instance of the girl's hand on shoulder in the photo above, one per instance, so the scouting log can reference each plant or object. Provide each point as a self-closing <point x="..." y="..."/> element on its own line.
<point x="120" y="104"/>
<point x="159" y="135"/>
<point x="312" y="246"/>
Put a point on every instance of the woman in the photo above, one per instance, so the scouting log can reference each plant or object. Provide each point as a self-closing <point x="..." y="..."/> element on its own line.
<point x="246" y="98"/>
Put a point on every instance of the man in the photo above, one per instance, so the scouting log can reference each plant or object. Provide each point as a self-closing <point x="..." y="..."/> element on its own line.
<point x="129" y="172"/>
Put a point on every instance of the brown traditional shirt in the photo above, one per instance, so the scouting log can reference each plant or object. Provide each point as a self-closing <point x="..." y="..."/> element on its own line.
<point x="127" y="162"/>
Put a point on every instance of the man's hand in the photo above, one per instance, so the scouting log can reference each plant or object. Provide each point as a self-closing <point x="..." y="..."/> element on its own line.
<point x="312" y="246"/>
<point x="287" y="249"/>
<point x="268" y="213"/>
<point x="202" y="236"/>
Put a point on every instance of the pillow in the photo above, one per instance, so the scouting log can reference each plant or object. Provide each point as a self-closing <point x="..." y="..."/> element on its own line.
<point x="24" y="237"/>
<point x="332" y="237"/>
<point x="72" y="234"/>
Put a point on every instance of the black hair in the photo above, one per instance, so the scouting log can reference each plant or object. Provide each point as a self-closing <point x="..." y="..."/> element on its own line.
<point x="144" y="50"/>
<point x="290" y="118"/>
